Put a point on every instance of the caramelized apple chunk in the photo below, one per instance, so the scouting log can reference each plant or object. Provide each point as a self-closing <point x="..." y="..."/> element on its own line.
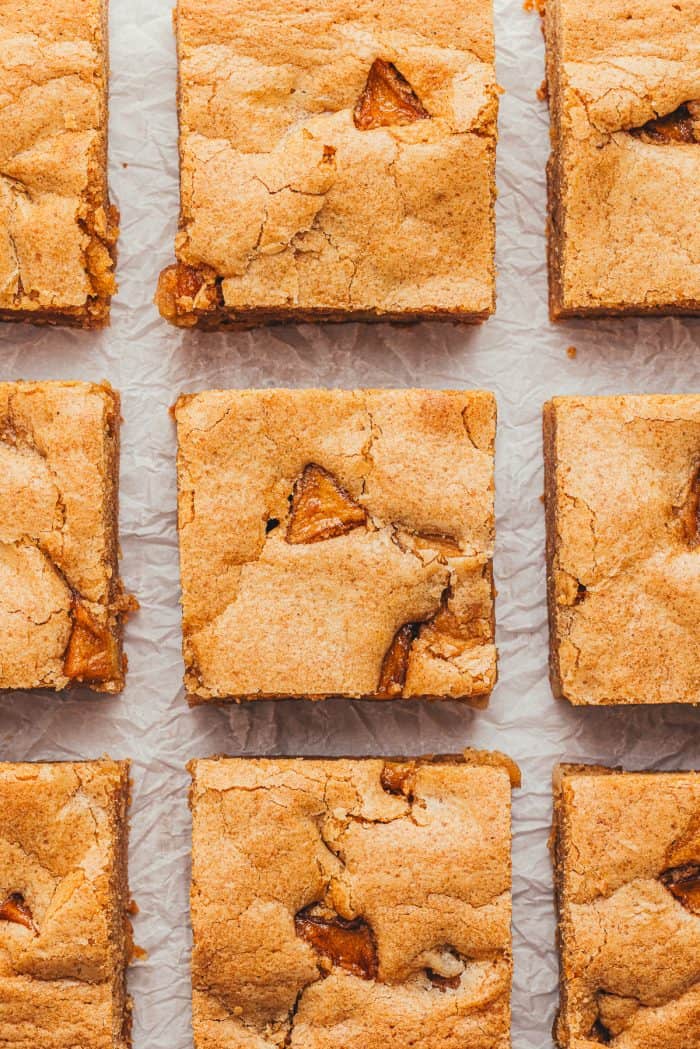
<point x="395" y="664"/>
<point x="15" y="910"/>
<point x="348" y="945"/>
<point x="387" y="99"/>
<point x="683" y="125"/>
<point x="684" y="883"/>
<point x="321" y="509"/>
<point x="93" y="652"/>
<point x="399" y="778"/>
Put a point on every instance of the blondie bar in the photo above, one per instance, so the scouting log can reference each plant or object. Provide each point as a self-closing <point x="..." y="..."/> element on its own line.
<point x="337" y="543"/>
<point x="336" y="162"/>
<point x="65" y="938"/>
<point x="622" y="492"/>
<point x="624" y="174"/>
<point x="627" y="869"/>
<point x="61" y="599"/>
<point x="351" y="904"/>
<point x="57" y="228"/>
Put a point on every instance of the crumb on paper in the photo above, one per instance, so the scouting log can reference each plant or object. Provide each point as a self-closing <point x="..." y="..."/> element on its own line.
<point x="534" y="5"/>
<point x="543" y="92"/>
<point x="571" y="352"/>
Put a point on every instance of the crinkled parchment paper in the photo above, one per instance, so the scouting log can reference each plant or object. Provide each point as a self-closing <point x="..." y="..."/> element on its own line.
<point x="518" y="354"/>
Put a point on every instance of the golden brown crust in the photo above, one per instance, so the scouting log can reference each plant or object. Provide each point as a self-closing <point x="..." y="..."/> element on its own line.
<point x="293" y="208"/>
<point x="61" y="599"/>
<point x="621" y="493"/>
<point x="405" y="512"/>
<point x="351" y="903"/>
<point x="58" y="230"/>
<point x="63" y="830"/>
<point x="624" y="843"/>
<point x="624" y="205"/>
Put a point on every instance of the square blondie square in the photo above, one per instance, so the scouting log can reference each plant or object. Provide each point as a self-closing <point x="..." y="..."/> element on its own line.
<point x="351" y="904"/>
<point x="337" y="162"/>
<point x="622" y="493"/>
<point x="65" y="938"/>
<point x="624" y="174"/>
<point x="58" y="230"/>
<point x="61" y="600"/>
<point x="337" y="542"/>
<point x="626" y="851"/>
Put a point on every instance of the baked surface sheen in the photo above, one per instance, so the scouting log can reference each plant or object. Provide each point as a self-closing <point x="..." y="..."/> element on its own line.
<point x="337" y="543"/>
<point x="64" y="936"/>
<point x="627" y="867"/>
<point x="351" y="904"/>
<point x="624" y="201"/>
<point x="298" y="203"/>
<point x="61" y="599"/>
<point x="57" y="228"/>
<point x="622" y="489"/>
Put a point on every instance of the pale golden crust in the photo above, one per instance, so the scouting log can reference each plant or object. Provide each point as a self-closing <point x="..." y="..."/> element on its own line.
<point x="291" y="211"/>
<point x="57" y="227"/>
<point x="629" y="937"/>
<point x="63" y="830"/>
<point x="623" y="562"/>
<point x="424" y="872"/>
<point x="59" y="462"/>
<point x="264" y="615"/>
<point x="624" y="231"/>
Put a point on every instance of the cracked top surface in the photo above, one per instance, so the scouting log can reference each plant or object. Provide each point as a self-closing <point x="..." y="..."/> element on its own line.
<point x="625" y="207"/>
<point x="56" y="226"/>
<point x="413" y="858"/>
<point x="274" y="606"/>
<point x="61" y="863"/>
<point x="297" y="204"/>
<point x="58" y="465"/>
<point x="622" y="491"/>
<point x="627" y="855"/>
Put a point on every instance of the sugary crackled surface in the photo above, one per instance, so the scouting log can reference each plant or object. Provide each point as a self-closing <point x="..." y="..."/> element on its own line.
<point x="626" y="205"/>
<point x="57" y="229"/>
<point x="63" y="939"/>
<point x="60" y="595"/>
<point x="624" y="547"/>
<point x="628" y="851"/>
<point x="290" y="204"/>
<point x="268" y="611"/>
<point x="412" y="860"/>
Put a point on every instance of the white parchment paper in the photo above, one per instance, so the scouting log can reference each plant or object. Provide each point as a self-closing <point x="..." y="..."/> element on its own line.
<point x="518" y="354"/>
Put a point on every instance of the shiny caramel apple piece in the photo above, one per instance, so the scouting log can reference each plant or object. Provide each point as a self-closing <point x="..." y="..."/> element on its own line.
<point x="321" y="509"/>
<point x="683" y="125"/>
<point x="93" y="652"/>
<point x="399" y="778"/>
<point x="15" y="910"/>
<point x="684" y="883"/>
<point x="348" y="945"/>
<point x="395" y="663"/>
<point x="182" y="289"/>
<point x="387" y="99"/>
